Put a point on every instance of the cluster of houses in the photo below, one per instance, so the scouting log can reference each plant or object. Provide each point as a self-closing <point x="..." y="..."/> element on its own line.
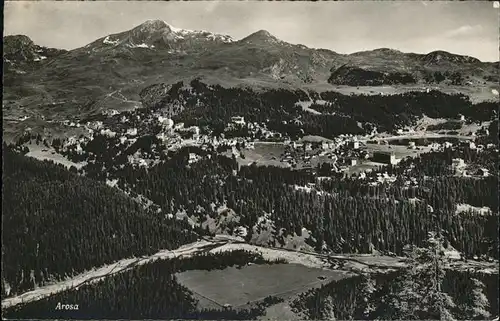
<point x="382" y="178"/>
<point x="342" y="152"/>
<point x="339" y="142"/>
<point x="254" y="129"/>
<point x="110" y="112"/>
<point x="460" y="168"/>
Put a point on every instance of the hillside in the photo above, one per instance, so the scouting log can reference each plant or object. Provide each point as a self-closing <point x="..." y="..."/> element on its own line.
<point x="66" y="224"/>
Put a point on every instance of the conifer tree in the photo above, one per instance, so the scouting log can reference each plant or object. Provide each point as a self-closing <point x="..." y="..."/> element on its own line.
<point x="478" y="307"/>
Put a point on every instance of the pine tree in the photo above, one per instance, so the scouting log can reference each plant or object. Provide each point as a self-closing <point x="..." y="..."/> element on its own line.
<point x="328" y="312"/>
<point x="419" y="294"/>
<point x="440" y="304"/>
<point x="366" y="305"/>
<point x="478" y="307"/>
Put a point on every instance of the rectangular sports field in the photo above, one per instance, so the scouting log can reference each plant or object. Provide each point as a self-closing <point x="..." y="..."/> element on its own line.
<point x="238" y="286"/>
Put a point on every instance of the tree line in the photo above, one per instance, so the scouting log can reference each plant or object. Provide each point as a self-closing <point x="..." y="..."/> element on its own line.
<point x="148" y="291"/>
<point x="424" y="289"/>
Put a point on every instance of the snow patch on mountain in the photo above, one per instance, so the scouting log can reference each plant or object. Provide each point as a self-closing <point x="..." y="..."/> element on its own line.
<point x="181" y="34"/>
<point x="107" y="41"/>
<point x="142" y="45"/>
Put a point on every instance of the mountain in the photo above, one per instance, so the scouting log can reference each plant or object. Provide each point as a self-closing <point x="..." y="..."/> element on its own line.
<point x="22" y="55"/>
<point x="110" y="72"/>
<point x="159" y="35"/>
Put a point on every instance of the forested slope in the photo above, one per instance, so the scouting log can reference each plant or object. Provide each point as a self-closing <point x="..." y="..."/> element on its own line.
<point x="346" y="214"/>
<point x="368" y="297"/>
<point x="149" y="291"/>
<point x="196" y="103"/>
<point x="56" y="223"/>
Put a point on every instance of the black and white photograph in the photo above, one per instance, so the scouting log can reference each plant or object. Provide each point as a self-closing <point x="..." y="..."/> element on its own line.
<point x="250" y="160"/>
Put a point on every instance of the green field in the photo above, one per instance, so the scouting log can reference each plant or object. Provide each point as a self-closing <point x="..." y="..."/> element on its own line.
<point x="264" y="154"/>
<point x="400" y="151"/>
<point x="252" y="283"/>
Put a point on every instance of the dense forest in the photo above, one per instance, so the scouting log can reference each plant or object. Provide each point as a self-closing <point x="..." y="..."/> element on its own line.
<point x="423" y="290"/>
<point x="214" y="105"/>
<point x="148" y="291"/>
<point x="65" y="224"/>
<point x="350" y="216"/>
<point x="364" y="297"/>
<point x="355" y="76"/>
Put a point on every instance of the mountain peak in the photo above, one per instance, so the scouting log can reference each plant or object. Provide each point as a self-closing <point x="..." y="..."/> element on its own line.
<point x="18" y="38"/>
<point x="20" y="49"/>
<point x="157" y="34"/>
<point x="152" y="26"/>
<point x="263" y="33"/>
<point x="155" y="23"/>
<point x="260" y="36"/>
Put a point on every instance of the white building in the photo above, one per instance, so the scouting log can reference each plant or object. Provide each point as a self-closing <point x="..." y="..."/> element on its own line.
<point x="238" y="120"/>
<point x="433" y="146"/>
<point x="192" y="158"/>
<point x="70" y="141"/>
<point x="458" y="166"/>
<point x="457" y="162"/>
<point x="108" y="133"/>
<point x="95" y="125"/>
<point x="484" y="172"/>
<point x="110" y="112"/>
<point x="162" y="136"/>
<point x="166" y="122"/>
<point x="131" y="131"/>
<point x="447" y="145"/>
<point x="195" y="130"/>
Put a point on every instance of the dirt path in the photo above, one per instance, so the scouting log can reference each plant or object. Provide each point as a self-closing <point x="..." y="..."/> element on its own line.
<point x="106" y="271"/>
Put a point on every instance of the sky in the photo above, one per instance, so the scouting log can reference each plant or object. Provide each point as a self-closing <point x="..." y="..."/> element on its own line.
<point x="467" y="28"/>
